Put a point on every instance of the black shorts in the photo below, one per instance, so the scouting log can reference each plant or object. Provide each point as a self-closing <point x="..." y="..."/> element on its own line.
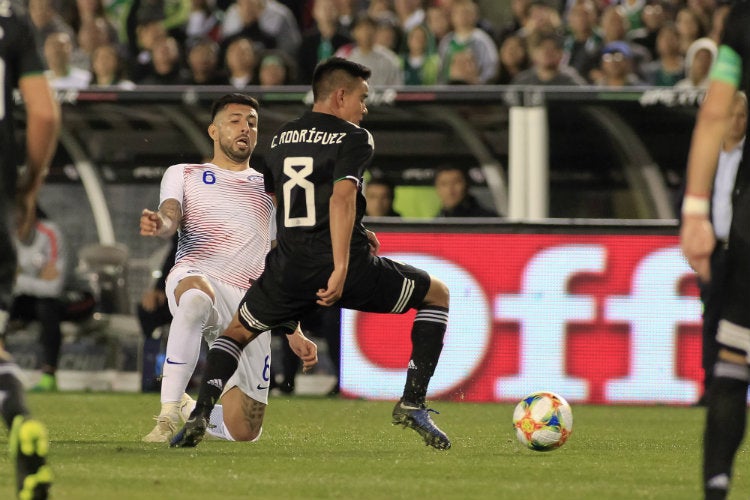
<point x="373" y="284"/>
<point x="735" y="308"/>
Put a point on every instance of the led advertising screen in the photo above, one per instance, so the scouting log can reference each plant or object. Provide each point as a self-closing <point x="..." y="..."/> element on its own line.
<point x="596" y="318"/>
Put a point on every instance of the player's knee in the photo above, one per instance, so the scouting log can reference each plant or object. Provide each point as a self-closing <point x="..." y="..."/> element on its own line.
<point x="438" y="293"/>
<point x="195" y="304"/>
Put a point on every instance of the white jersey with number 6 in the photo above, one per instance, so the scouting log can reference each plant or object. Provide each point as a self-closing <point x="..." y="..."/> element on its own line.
<point x="227" y="222"/>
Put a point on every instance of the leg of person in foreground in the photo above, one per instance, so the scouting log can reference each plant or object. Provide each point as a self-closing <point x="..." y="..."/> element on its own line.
<point x="195" y="299"/>
<point x="28" y="440"/>
<point x="221" y="363"/>
<point x="727" y="413"/>
<point x="427" y="335"/>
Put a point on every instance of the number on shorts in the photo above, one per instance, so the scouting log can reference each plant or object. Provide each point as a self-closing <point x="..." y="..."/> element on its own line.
<point x="298" y="179"/>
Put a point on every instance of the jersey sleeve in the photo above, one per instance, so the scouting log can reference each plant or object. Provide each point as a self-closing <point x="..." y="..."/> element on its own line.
<point x="735" y="45"/>
<point x="173" y="184"/>
<point x="355" y="156"/>
<point x="30" y="62"/>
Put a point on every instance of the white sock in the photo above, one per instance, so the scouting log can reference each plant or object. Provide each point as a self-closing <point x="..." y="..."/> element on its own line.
<point x="216" y="426"/>
<point x="184" y="343"/>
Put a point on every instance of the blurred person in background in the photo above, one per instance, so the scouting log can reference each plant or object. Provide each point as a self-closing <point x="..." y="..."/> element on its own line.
<point x="203" y="64"/>
<point x="519" y="12"/>
<point x="92" y="34"/>
<point x="322" y="40"/>
<point x="42" y="270"/>
<point x="465" y="35"/>
<point x="617" y="67"/>
<point x="388" y="35"/>
<point x="582" y="45"/>
<point x="420" y="62"/>
<point x="718" y="18"/>
<point x="513" y="59"/>
<point x="380" y="194"/>
<point x="266" y="21"/>
<point x="698" y="61"/>
<point x="438" y="21"/>
<point x="669" y="68"/>
<point x="690" y="27"/>
<point x="546" y="52"/>
<point x="58" y="50"/>
<point x="464" y="69"/>
<point x="23" y="70"/>
<point x="203" y="23"/>
<point x="654" y="16"/>
<point x="452" y="187"/>
<point x="410" y="14"/>
<point x="240" y="61"/>
<point x="47" y="20"/>
<point x="148" y="32"/>
<point x="108" y="68"/>
<point x="166" y="68"/>
<point x="385" y="64"/>
<point x="276" y="69"/>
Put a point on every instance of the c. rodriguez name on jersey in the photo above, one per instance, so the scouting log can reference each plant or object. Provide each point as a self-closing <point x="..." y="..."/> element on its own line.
<point x="311" y="136"/>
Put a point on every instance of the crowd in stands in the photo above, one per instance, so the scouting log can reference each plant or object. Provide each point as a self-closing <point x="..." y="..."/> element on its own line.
<point x="613" y="43"/>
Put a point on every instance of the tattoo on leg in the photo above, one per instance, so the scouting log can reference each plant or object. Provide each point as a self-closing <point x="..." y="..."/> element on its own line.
<point x="253" y="412"/>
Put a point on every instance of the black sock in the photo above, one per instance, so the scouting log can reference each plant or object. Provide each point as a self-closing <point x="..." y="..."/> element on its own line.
<point x="725" y="428"/>
<point x="13" y="403"/>
<point x="221" y="363"/>
<point x="427" y="342"/>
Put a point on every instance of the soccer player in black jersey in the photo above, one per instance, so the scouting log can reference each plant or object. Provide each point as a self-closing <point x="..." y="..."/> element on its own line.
<point x="727" y="394"/>
<point x="325" y="256"/>
<point x="21" y="67"/>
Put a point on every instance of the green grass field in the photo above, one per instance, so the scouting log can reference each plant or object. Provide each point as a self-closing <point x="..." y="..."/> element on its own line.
<point x="335" y="448"/>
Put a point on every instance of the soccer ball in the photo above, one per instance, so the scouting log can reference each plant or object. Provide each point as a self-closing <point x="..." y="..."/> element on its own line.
<point x="543" y="421"/>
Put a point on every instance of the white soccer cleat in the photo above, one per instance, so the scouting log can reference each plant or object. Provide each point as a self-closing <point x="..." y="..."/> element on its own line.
<point x="165" y="429"/>
<point x="187" y="404"/>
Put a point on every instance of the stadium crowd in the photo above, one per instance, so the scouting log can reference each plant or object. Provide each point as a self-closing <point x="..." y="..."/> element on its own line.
<point x="614" y="43"/>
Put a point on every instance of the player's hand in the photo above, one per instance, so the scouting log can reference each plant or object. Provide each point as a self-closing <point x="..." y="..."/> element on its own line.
<point x="329" y="296"/>
<point x="304" y="348"/>
<point x="26" y="214"/>
<point x="698" y="241"/>
<point x="151" y="223"/>
<point x="374" y="242"/>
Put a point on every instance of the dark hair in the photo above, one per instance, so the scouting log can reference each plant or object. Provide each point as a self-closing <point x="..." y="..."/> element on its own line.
<point x="380" y="181"/>
<point x="453" y="168"/>
<point x="328" y="76"/>
<point x="235" y="98"/>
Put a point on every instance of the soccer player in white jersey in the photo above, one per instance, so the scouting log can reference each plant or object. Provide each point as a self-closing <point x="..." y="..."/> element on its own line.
<point x="225" y="223"/>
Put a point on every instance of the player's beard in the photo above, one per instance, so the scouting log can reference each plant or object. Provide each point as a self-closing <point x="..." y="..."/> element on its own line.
<point x="234" y="154"/>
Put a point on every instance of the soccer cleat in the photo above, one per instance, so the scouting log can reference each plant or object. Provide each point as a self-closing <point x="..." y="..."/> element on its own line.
<point x="191" y="433"/>
<point x="29" y="446"/>
<point x="187" y="405"/>
<point x="48" y="383"/>
<point x="417" y="417"/>
<point x="166" y="426"/>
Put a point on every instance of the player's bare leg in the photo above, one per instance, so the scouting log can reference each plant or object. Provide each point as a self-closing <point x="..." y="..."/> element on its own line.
<point x="427" y="343"/>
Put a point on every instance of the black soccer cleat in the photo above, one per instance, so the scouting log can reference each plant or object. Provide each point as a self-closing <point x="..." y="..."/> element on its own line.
<point x="29" y="446"/>
<point x="191" y="433"/>
<point x="417" y="417"/>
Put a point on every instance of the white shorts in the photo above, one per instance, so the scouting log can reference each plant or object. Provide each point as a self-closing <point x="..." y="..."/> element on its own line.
<point x="254" y="369"/>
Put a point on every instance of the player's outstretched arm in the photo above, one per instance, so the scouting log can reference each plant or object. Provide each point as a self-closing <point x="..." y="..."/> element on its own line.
<point x="304" y="348"/>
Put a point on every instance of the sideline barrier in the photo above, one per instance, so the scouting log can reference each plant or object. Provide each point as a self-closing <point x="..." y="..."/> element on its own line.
<point x="599" y="315"/>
